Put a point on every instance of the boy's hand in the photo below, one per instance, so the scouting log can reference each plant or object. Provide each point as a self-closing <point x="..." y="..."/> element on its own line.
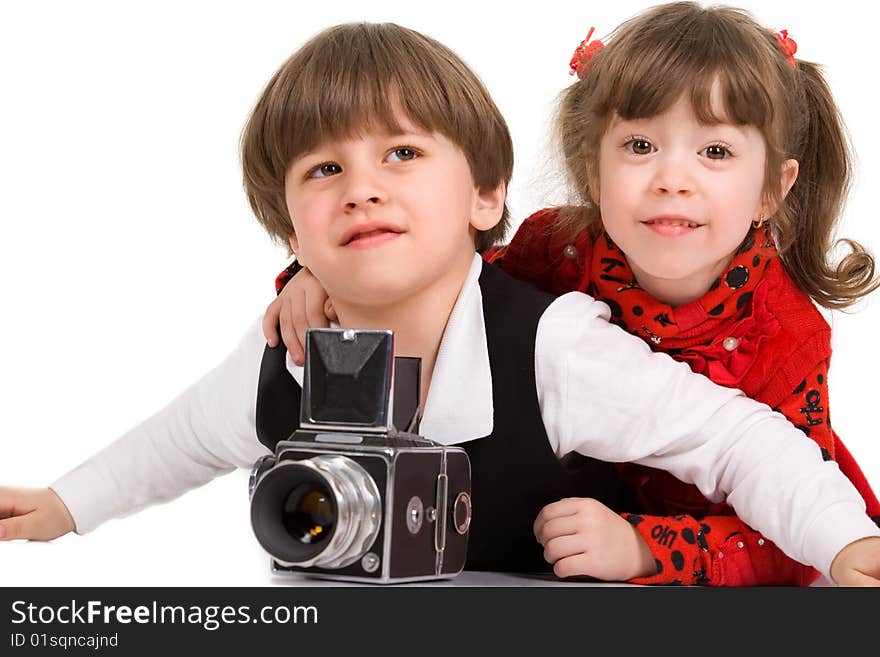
<point x="34" y="513"/>
<point x="582" y="536"/>
<point x="301" y="305"/>
<point x="858" y="564"/>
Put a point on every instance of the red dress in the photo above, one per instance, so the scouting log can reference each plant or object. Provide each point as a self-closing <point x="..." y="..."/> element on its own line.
<point x="754" y="330"/>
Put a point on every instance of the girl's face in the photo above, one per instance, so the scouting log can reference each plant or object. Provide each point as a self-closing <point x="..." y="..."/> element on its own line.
<point x="678" y="196"/>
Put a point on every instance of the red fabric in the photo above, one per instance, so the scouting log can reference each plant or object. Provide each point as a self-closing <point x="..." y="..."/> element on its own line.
<point x="781" y="359"/>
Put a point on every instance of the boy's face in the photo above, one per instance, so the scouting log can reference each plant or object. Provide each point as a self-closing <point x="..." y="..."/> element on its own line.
<point x="381" y="217"/>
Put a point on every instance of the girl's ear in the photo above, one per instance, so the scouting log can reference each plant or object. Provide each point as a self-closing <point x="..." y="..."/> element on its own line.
<point x="787" y="179"/>
<point x="488" y="207"/>
<point x="790" y="170"/>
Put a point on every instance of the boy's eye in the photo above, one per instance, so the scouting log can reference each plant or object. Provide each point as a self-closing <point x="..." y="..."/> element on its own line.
<point x="324" y="170"/>
<point x="716" y="152"/>
<point x="639" y="146"/>
<point x="402" y="154"/>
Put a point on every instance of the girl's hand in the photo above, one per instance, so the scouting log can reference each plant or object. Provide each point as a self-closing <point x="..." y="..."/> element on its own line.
<point x="302" y="304"/>
<point x="858" y="564"/>
<point x="582" y="536"/>
<point x="37" y="514"/>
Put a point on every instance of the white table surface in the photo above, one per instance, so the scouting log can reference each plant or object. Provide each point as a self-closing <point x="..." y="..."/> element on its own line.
<point x="201" y="539"/>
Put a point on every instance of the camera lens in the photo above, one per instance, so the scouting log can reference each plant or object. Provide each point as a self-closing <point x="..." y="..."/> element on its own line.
<point x="323" y="511"/>
<point x="308" y="513"/>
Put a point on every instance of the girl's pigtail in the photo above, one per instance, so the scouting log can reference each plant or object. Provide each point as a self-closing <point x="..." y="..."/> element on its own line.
<point x="816" y="202"/>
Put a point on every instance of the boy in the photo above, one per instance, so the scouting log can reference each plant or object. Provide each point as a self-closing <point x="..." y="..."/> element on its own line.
<point x="381" y="159"/>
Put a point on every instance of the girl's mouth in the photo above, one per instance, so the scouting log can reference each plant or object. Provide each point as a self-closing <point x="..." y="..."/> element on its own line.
<point x="671" y="226"/>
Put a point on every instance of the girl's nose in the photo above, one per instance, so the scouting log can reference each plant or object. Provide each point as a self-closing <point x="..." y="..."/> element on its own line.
<point x="672" y="176"/>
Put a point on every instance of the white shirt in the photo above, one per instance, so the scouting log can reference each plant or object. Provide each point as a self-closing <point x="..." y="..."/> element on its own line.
<point x="602" y="393"/>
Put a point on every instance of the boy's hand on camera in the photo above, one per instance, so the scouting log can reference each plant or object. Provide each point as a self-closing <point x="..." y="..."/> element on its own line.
<point x="37" y="514"/>
<point x="301" y="305"/>
<point x="858" y="564"/>
<point x="582" y="536"/>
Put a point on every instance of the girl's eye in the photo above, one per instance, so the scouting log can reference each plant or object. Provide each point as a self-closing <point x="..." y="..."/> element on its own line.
<point x="639" y="146"/>
<point x="402" y="154"/>
<point x="324" y="170"/>
<point x="716" y="152"/>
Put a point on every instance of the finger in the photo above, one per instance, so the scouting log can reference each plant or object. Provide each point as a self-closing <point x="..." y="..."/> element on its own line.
<point x="858" y="578"/>
<point x="288" y="333"/>
<point x="315" y="314"/>
<point x="578" y="564"/>
<point x="15" y="528"/>
<point x="270" y="321"/>
<point x="330" y="311"/>
<point x="565" y="507"/>
<point x="12" y="503"/>
<point x="562" y="547"/>
<point x="564" y="526"/>
<point x="299" y="320"/>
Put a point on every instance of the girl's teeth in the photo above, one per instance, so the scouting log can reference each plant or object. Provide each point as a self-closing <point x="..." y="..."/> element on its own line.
<point x="689" y="224"/>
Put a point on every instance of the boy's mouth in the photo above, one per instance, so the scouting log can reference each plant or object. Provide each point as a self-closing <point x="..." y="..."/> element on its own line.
<point x="369" y="234"/>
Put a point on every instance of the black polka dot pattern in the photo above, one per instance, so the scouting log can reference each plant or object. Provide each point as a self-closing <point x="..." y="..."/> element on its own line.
<point x="743" y="300"/>
<point x="634" y="519"/>
<point x="677" y="559"/>
<point x="737" y="277"/>
<point x="616" y="310"/>
<point x="747" y="244"/>
<point x="717" y="310"/>
<point x="688" y="535"/>
<point x="637" y="311"/>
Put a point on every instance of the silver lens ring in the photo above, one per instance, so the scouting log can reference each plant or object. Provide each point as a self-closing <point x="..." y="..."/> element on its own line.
<point x="358" y="510"/>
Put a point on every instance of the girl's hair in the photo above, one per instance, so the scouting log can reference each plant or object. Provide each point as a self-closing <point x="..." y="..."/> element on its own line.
<point x="354" y="78"/>
<point x="683" y="48"/>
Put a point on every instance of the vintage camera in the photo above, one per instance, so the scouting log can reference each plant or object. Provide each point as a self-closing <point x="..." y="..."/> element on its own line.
<point x="349" y="496"/>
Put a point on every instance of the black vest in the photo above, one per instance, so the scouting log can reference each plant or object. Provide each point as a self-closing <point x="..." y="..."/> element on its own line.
<point x="514" y="472"/>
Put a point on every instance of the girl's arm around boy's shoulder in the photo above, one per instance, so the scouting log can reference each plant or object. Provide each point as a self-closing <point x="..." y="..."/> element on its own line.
<point x="605" y="394"/>
<point x="544" y="254"/>
<point x="206" y="431"/>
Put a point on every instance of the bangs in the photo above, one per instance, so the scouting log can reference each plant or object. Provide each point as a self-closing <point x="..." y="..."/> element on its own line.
<point x="646" y="71"/>
<point x="359" y="82"/>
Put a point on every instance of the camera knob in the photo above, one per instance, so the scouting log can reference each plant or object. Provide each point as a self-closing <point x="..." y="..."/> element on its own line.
<point x="461" y="513"/>
<point x="414" y="514"/>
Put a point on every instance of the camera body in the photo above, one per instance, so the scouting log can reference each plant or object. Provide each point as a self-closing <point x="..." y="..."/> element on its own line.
<point x="349" y="496"/>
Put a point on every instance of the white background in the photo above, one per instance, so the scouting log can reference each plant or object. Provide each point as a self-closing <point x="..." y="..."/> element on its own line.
<point x="130" y="262"/>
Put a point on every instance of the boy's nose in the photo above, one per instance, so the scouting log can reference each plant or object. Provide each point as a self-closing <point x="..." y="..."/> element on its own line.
<point x="363" y="189"/>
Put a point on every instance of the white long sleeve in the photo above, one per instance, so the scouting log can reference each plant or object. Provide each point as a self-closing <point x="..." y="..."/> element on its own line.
<point x="605" y="394"/>
<point x="205" y="432"/>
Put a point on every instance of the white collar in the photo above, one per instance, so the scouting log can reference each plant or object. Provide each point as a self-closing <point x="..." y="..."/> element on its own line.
<point x="459" y="407"/>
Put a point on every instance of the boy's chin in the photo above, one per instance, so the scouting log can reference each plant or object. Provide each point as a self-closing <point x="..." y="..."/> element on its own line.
<point x="368" y="293"/>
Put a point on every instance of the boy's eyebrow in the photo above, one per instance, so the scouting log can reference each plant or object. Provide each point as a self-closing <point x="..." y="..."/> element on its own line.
<point x="404" y="132"/>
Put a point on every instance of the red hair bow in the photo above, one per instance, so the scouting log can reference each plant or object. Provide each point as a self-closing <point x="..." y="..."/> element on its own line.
<point x="787" y="45"/>
<point x="580" y="60"/>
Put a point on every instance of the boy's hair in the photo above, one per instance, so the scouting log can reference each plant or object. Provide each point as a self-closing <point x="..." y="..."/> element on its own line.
<point x="683" y="48"/>
<point x="352" y="78"/>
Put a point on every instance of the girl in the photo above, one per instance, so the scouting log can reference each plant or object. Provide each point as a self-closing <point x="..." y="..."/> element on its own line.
<point x="710" y="167"/>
